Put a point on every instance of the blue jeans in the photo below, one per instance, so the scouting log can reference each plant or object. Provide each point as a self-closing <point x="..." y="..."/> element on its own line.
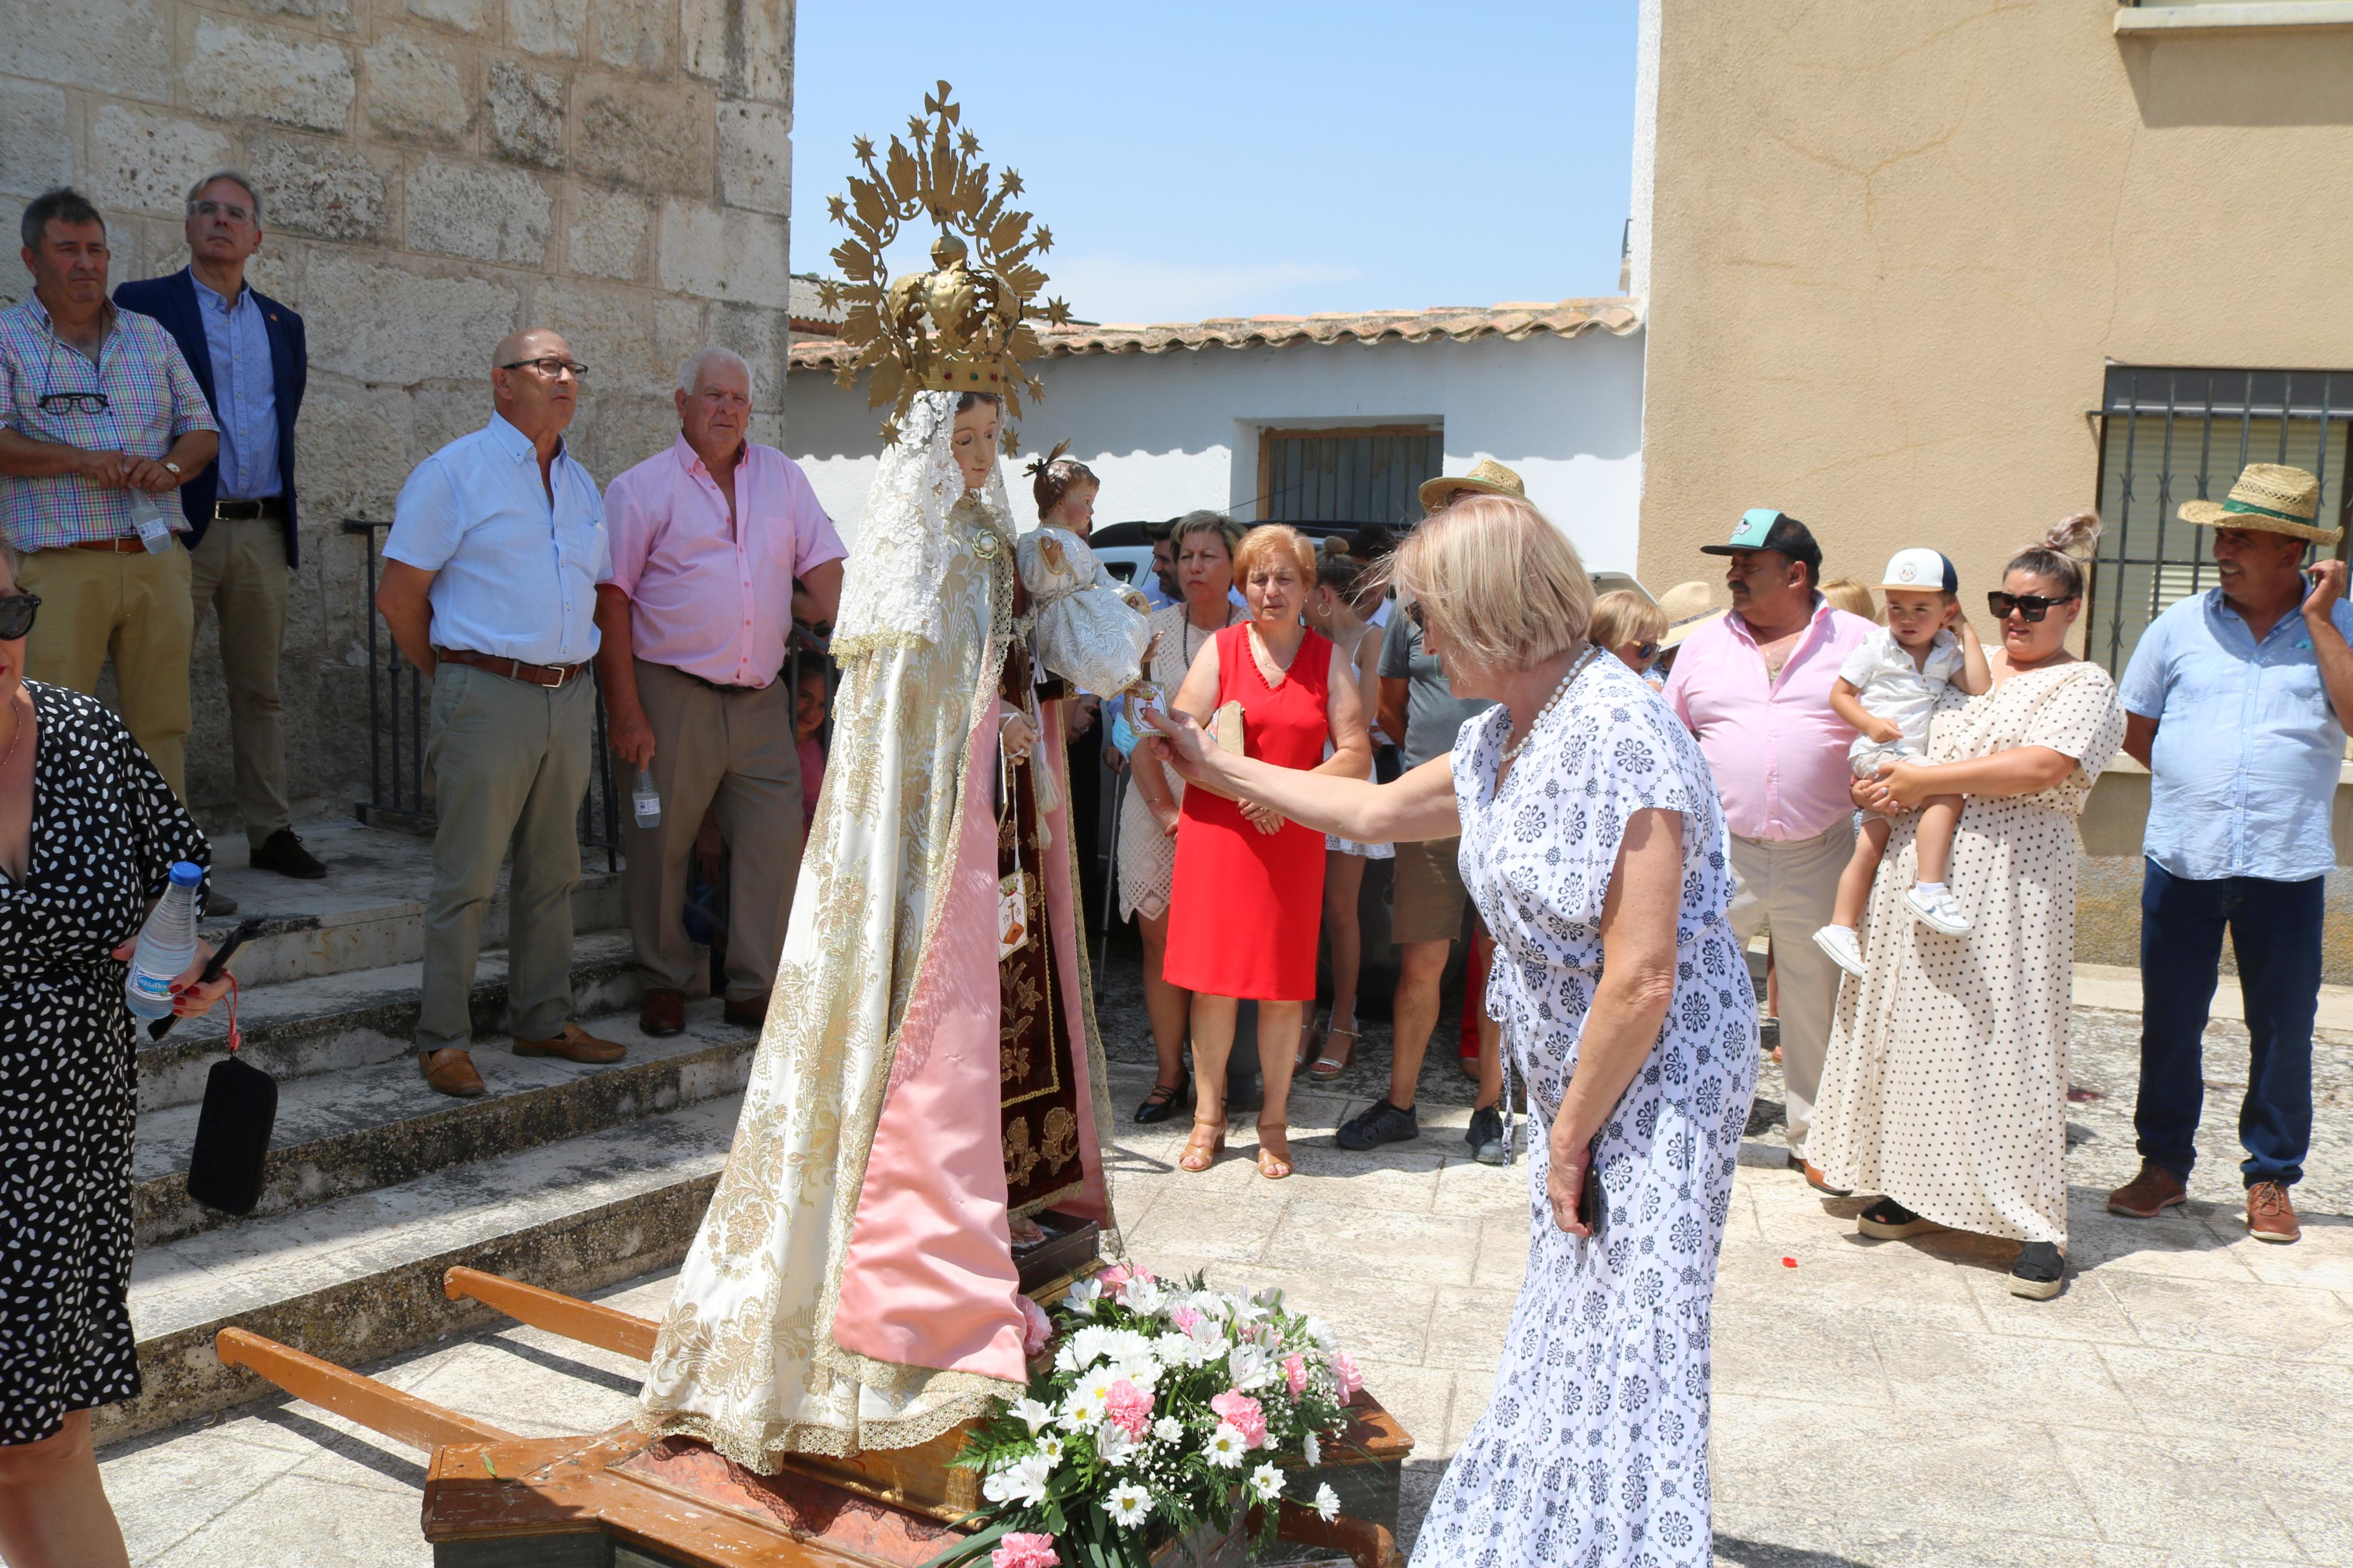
<point x="2275" y="936"/>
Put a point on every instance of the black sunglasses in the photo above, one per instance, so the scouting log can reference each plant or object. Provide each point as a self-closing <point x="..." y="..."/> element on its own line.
<point x="2030" y="606"/>
<point x="1646" y="651"/>
<point x="16" y="615"/>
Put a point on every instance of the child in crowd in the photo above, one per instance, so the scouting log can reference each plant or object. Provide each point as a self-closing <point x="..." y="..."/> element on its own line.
<point x="1852" y="596"/>
<point x="1629" y="625"/>
<point x="1886" y="689"/>
<point x="1089" y="626"/>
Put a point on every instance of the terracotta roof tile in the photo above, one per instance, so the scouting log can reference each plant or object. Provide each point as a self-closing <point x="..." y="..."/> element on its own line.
<point x="1513" y="320"/>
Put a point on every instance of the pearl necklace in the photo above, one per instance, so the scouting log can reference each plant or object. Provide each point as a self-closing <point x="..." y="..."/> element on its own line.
<point x="1511" y="751"/>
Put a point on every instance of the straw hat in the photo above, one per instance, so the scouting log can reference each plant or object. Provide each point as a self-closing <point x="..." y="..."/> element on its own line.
<point x="1689" y="607"/>
<point x="1486" y="476"/>
<point x="2269" y="498"/>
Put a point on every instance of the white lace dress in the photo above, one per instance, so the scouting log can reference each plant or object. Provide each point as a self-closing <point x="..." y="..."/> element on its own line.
<point x="1593" y="1451"/>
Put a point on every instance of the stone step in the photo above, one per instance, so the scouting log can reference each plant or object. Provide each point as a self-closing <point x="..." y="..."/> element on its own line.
<point x="322" y="1023"/>
<point x="358" y="1129"/>
<point x="359" y="1279"/>
<point x="369" y="912"/>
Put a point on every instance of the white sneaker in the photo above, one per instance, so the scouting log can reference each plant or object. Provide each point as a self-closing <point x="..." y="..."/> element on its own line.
<point x="1840" y="943"/>
<point x="1940" y="913"/>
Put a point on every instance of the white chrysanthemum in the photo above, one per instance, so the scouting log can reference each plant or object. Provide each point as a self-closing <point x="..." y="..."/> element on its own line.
<point x="1081" y="1414"/>
<point x="1266" y="1483"/>
<point x="1327" y="1502"/>
<point x="1310" y="1449"/>
<point x="1022" y="1481"/>
<point x="1226" y="1447"/>
<point x="1095" y="1387"/>
<point x="1321" y="1333"/>
<point x="1036" y="1413"/>
<point x="1128" y="1504"/>
<point x="1167" y="1429"/>
<point x="1250" y="1368"/>
<point x="1174" y="1348"/>
<point x="1113" y="1447"/>
<point x="1066" y="1360"/>
<point x="1049" y="1448"/>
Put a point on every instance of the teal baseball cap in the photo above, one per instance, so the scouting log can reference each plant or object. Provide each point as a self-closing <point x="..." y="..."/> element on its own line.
<point x="1767" y="528"/>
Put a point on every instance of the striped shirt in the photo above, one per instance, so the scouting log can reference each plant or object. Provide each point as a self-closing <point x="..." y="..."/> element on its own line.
<point x="153" y="400"/>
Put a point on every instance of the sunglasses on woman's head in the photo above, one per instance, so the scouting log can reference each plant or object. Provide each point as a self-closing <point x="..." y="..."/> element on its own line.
<point x="16" y="615"/>
<point x="2030" y="606"/>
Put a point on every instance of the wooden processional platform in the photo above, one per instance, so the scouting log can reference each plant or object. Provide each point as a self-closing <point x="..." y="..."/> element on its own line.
<point x="622" y="1499"/>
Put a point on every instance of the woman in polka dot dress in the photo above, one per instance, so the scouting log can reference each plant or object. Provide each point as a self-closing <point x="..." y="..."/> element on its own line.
<point x="88" y="831"/>
<point x="1946" y="1085"/>
<point x="1593" y="845"/>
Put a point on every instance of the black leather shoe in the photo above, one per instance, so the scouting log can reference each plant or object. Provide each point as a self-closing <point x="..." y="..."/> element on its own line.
<point x="283" y="853"/>
<point x="1163" y="1101"/>
<point x="1380" y="1123"/>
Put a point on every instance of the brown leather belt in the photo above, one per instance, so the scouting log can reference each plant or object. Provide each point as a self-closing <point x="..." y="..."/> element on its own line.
<point x="133" y="545"/>
<point x="552" y="676"/>
<point x="269" y="507"/>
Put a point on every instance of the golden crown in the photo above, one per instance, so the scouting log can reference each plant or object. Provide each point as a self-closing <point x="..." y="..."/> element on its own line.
<point x="965" y="325"/>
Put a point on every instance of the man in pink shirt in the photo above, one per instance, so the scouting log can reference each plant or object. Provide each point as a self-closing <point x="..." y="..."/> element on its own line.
<point x="1755" y="687"/>
<point x="707" y="539"/>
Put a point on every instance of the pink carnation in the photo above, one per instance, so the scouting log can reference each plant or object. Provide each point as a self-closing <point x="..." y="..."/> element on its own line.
<point x="1187" y="1320"/>
<point x="1129" y="1408"/>
<point x="1114" y="1277"/>
<point x="1025" y="1549"/>
<point x="1036" y="1330"/>
<point x="1343" y="1368"/>
<point x="1295" y="1373"/>
<point x="1241" y="1412"/>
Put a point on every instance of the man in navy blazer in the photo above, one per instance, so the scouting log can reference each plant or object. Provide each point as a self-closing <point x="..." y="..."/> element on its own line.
<point x="248" y="355"/>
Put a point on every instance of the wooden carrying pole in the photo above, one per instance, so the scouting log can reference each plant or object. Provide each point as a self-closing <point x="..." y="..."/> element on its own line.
<point x="419" y="1423"/>
<point x="584" y="1322"/>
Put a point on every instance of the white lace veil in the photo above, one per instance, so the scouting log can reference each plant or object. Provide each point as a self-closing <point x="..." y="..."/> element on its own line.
<point x="890" y="590"/>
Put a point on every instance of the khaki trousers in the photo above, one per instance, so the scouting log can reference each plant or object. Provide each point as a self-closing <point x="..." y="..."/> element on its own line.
<point x="735" y="752"/>
<point x="1788" y="887"/>
<point x="134" y="607"/>
<point x="239" y="572"/>
<point x="510" y="764"/>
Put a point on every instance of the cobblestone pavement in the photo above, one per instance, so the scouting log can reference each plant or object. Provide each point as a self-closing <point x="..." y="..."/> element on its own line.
<point x="2188" y="1401"/>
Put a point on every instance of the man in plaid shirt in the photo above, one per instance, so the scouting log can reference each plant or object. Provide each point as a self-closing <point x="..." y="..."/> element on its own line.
<point x="97" y="406"/>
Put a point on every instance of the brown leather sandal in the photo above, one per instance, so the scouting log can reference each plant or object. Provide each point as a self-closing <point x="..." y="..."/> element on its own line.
<point x="1201" y="1153"/>
<point x="1273" y="1166"/>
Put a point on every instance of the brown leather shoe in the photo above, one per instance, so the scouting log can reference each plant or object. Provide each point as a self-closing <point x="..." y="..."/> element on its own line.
<point x="751" y="1012"/>
<point x="452" y="1071"/>
<point x="664" y="1013"/>
<point x="575" y="1043"/>
<point x="1816" y="1180"/>
<point x="2148" y="1194"/>
<point x="2269" y="1216"/>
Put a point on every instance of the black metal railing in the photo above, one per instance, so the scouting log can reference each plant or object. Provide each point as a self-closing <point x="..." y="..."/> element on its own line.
<point x="399" y="697"/>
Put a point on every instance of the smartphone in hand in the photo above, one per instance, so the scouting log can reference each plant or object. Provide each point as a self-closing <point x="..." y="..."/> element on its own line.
<point x="1592" y="1203"/>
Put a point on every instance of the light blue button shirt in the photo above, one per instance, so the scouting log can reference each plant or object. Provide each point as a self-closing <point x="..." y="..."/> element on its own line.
<point x="245" y="392"/>
<point x="2247" y="756"/>
<point x="516" y="575"/>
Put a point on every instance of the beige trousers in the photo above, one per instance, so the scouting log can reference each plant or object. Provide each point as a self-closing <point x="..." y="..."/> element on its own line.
<point x="1788" y="886"/>
<point x="239" y="572"/>
<point x="734" y="752"/>
<point x="510" y="764"/>
<point x="134" y="607"/>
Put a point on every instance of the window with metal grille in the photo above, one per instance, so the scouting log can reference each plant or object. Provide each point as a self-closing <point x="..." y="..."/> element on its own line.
<point x="1350" y="473"/>
<point x="2170" y="435"/>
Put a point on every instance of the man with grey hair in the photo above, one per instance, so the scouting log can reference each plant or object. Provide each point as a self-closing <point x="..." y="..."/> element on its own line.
<point x="249" y="354"/>
<point x="708" y="539"/>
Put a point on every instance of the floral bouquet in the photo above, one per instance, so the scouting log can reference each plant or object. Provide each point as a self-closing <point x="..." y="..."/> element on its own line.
<point x="1166" y="1407"/>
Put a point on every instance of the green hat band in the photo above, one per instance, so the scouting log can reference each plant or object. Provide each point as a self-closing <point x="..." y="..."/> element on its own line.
<point x="2241" y="506"/>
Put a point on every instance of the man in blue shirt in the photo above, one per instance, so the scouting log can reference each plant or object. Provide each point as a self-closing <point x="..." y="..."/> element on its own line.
<point x="250" y="355"/>
<point x="490" y="587"/>
<point x="2235" y="702"/>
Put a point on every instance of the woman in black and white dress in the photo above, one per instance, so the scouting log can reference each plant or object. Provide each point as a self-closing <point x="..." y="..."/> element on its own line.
<point x="88" y="831"/>
<point x="1590" y="832"/>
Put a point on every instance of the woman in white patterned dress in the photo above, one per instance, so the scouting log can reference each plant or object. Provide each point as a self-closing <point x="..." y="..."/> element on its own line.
<point x="1946" y="1085"/>
<point x="1593" y="845"/>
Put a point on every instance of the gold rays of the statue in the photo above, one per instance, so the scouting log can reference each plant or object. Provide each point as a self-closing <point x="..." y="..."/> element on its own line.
<point x="965" y="325"/>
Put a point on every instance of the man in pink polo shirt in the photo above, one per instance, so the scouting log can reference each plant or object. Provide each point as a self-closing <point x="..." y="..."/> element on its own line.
<point x="708" y="538"/>
<point x="1755" y="687"/>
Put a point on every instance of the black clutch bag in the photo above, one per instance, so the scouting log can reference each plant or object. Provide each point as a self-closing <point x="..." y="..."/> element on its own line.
<point x="232" y="1136"/>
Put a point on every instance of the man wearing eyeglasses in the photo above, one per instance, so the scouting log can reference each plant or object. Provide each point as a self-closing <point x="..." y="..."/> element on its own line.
<point x="709" y="538"/>
<point x="99" y="412"/>
<point x="489" y="588"/>
<point x="248" y="355"/>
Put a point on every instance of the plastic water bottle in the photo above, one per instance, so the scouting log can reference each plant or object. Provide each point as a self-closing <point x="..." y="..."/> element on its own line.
<point x="167" y="945"/>
<point x="646" y="800"/>
<point x="154" y="528"/>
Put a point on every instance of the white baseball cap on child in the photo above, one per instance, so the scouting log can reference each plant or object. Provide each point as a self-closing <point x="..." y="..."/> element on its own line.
<point x="1923" y="569"/>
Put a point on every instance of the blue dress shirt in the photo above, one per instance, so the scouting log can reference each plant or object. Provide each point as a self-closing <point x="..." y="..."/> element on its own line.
<point x="516" y="575"/>
<point x="244" y="392"/>
<point x="2248" y="752"/>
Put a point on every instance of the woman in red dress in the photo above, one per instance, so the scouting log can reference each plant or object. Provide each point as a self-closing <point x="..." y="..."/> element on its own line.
<point x="1248" y="895"/>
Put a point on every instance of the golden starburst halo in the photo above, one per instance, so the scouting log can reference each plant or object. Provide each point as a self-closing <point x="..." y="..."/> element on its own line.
<point x="964" y="326"/>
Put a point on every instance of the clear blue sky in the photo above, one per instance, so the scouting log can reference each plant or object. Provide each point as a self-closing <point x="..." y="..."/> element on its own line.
<point x="1222" y="158"/>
